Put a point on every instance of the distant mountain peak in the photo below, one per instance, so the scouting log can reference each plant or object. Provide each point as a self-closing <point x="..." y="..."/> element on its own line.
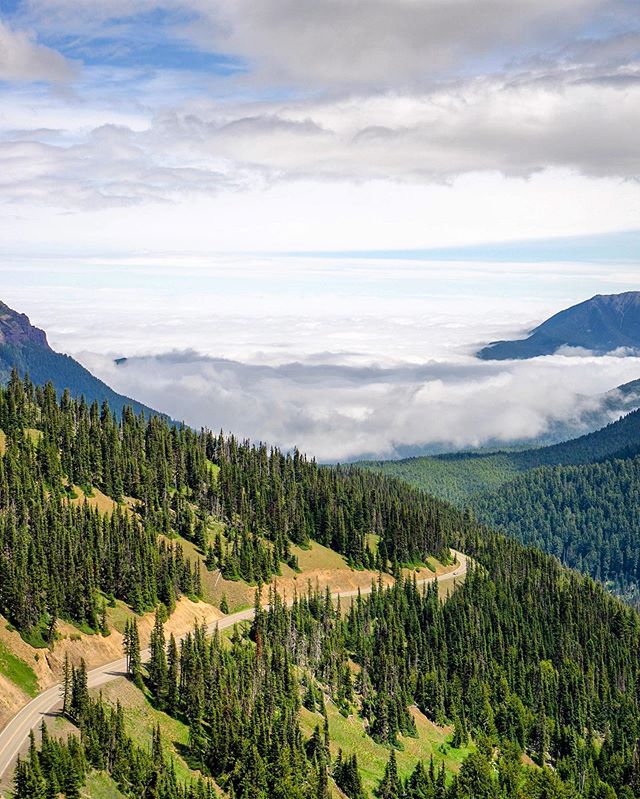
<point x="16" y="329"/>
<point x="25" y="347"/>
<point x="601" y="324"/>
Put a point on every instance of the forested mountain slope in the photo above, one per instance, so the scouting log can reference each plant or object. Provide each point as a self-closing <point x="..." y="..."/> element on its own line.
<point x="458" y="476"/>
<point x="528" y="659"/>
<point x="588" y="516"/>
<point x="25" y="348"/>
<point x="524" y="657"/>
<point x="176" y="479"/>
<point x="577" y="500"/>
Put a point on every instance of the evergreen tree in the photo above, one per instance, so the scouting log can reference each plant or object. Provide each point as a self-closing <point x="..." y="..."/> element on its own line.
<point x="157" y="666"/>
<point x="390" y="786"/>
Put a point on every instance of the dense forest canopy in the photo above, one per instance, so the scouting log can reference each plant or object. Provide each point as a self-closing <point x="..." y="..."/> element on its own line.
<point x="577" y="500"/>
<point x="175" y="479"/>
<point x="588" y="516"/>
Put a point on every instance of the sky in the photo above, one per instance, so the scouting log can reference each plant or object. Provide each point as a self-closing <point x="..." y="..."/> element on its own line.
<point x="298" y="219"/>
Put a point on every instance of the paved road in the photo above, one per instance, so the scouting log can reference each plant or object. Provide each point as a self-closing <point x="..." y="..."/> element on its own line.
<point x="14" y="735"/>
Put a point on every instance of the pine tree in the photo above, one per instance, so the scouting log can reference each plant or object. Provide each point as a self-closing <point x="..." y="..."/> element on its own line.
<point x="347" y="777"/>
<point x="157" y="666"/>
<point x="72" y="782"/>
<point x="131" y="645"/>
<point x="66" y="684"/>
<point x="172" y="675"/>
<point x="79" y="699"/>
<point x="390" y="786"/>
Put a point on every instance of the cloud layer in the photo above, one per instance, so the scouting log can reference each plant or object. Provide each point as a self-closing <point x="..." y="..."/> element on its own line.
<point x="337" y="411"/>
<point x="347" y="44"/>
<point x="491" y="126"/>
<point x="343" y="358"/>
<point x="348" y="91"/>
<point x="137" y="138"/>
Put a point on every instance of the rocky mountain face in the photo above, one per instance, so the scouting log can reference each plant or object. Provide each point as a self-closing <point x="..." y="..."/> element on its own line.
<point x="17" y="330"/>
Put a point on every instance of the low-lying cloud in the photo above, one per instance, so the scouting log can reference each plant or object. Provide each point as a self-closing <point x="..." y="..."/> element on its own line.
<point x="337" y="411"/>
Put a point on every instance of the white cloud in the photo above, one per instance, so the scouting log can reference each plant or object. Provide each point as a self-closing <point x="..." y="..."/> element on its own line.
<point x="514" y="128"/>
<point x="340" y="412"/>
<point x="23" y="59"/>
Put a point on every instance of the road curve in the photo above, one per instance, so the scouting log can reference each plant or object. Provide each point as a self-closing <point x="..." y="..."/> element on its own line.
<point x="28" y="718"/>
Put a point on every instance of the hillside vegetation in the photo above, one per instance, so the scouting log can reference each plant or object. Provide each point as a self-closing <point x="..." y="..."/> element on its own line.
<point x="266" y="500"/>
<point x="527" y="673"/>
<point x="577" y="500"/>
<point x="457" y="477"/>
<point x="588" y="516"/>
<point x="288" y="701"/>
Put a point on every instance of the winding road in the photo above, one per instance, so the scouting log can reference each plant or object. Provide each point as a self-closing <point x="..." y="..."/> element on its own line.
<point x="29" y="717"/>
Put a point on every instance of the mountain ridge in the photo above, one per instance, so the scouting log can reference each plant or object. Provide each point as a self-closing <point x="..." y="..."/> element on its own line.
<point x="25" y="347"/>
<point x="601" y="324"/>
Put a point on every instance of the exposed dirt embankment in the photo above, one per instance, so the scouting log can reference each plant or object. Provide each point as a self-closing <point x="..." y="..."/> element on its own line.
<point x="337" y="580"/>
<point x="48" y="664"/>
<point x="322" y="568"/>
<point x="11" y="700"/>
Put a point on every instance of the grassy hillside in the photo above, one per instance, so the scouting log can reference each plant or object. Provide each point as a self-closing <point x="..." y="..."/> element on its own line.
<point x="490" y="662"/>
<point x="17" y="671"/>
<point x="141" y="717"/>
<point x="350" y="736"/>
<point x="100" y="786"/>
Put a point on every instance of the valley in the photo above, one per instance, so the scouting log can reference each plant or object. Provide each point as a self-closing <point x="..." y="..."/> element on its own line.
<point x="211" y="617"/>
<point x="577" y="500"/>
